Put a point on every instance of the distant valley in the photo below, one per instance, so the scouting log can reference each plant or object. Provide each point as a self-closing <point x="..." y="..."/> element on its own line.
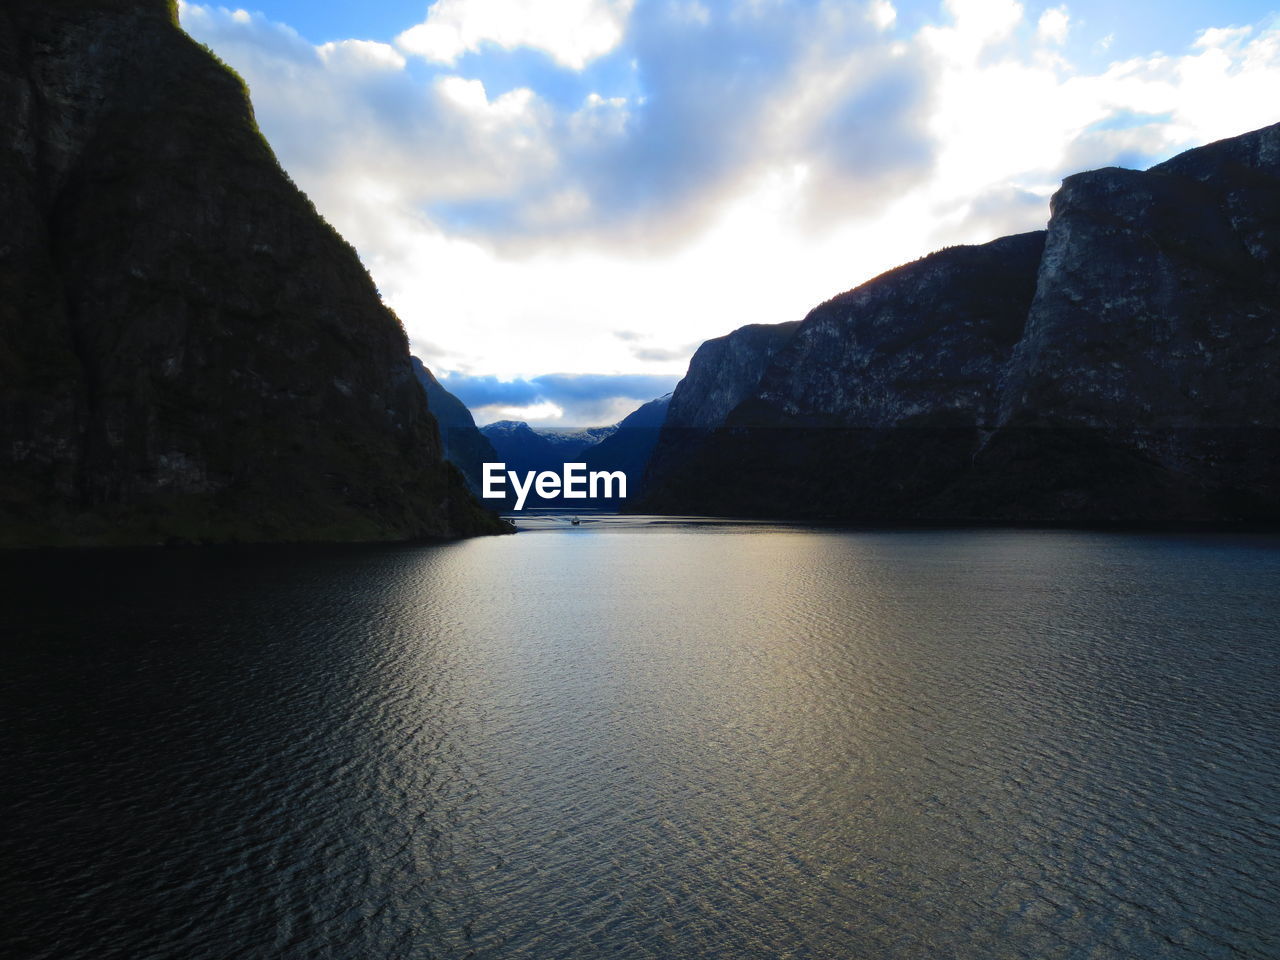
<point x="624" y="446"/>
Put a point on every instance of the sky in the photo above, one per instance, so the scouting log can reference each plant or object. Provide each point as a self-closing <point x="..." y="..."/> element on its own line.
<point x="562" y="198"/>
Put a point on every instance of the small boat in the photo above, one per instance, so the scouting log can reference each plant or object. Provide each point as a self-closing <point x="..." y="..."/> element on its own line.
<point x="575" y="521"/>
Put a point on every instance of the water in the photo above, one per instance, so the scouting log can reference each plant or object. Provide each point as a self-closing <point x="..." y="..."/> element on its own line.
<point x="640" y="739"/>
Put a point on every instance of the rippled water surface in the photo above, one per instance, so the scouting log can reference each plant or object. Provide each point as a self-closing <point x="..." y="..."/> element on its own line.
<point x="641" y="739"/>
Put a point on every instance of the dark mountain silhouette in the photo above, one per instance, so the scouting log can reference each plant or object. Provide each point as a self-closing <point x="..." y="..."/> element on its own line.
<point x="630" y="446"/>
<point x="625" y="446"/>
<point x="523" y="448"/>
<point x="1116" y="369"/>
<point x="187" y="350"/>
<point x="463" y="444"/>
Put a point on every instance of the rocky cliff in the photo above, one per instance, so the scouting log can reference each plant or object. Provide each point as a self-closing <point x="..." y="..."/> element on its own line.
<point x="1146" y="384"/>
<point x="461" y="441"/>
<point x="1119" y="368"/>
<point x="187" y="351"/>
<point x="723" y="372"/>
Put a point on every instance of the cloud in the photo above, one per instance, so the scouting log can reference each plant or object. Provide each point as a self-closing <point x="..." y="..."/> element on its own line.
<point x="698" y="103"/>
<point x="572" y="399"/>
<point x="1053" y="26"/>
<point x="883" y="14"/>
<point x="679" y="168"/>
<point x="704" y="101"/>
<point x="686" y="106"/>
<point x="651" y="353"/>
<point x="663" y="355"/>
<point x="358" y="55"/>
<point x="572" y="32"/>
<point x="998" y="212"/>
<point x="975" y="26"/>
<point x="358" y="129"/>
<point x="870" y="147"/>
<point x="536" y="414"/>
<point x="729" y="100"/>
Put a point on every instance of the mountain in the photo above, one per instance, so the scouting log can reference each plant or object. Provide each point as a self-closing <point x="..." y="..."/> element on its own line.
<point x="722" y="373"/>
<point x="573" y="441"/>
<point x="187" y="350"/>
<point x="623" y="446"/>
<point x="523" y="448"/>
<point x="1118" y="368"/>
<point x="630" y="445"/>
<point x="463" y="444"/>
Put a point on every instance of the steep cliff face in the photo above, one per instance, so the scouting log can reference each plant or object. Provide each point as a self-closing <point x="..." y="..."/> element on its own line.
<point x="1120" y="368"/>
<point x="722" y="374"/>
<point x="877" y="395"/>
<point x="1146" y="385"/>
<point x="186" y="349"/>
<point x="461" y="441"/>
<point x="927" y="340"/>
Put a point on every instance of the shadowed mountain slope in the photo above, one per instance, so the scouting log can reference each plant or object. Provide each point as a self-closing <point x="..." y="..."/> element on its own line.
<point x="1118" y="368"/>
<point x="187" y="350"/>
<point x="462" y="443"/>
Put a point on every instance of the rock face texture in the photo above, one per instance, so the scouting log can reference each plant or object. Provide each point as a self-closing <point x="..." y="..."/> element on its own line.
<point x="1146" y="383"/>
<point x="1118" y="369"/>
<point x="723" y="372"/>
<point x="461" y="441"/>
<point x="187" y="351"/>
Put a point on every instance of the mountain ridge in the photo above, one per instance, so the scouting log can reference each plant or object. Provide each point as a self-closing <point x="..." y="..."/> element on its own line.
<point x="623" y="446"/>
<point x="1122" y="374"/>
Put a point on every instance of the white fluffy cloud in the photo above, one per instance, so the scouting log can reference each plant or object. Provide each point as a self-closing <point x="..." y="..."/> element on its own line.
<point x="883" y="14"/>
<point x="358" y="55"/>
<point x="754" y="159"/>
<point x="1053" y="26"/>
<point x="573" y="32"/>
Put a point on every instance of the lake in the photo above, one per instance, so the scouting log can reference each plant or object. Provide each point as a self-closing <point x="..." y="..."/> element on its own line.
<point x="644" y="738"/>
